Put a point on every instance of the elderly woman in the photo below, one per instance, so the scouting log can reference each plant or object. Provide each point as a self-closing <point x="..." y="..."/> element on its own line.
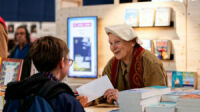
<point x="132" y="66"/>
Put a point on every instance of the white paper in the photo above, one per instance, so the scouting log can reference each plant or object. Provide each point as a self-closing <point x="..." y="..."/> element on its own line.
<point x="95" y="88"/>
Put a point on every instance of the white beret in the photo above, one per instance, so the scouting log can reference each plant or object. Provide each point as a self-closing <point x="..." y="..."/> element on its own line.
<point x="124" y="31"/>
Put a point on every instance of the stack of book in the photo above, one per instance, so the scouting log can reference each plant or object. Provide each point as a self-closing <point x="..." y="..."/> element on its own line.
<point x="135" y="100"/>
<point x="162" y="107"/>
<point x="174" y="96"/>
<point x="188" y="103"/>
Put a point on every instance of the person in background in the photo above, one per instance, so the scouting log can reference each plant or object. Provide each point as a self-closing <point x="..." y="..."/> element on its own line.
<point x="11" y="45"/>
<point x="21" y="51"/>
<point x="3" y="39"/>
<point x="131" y="66"/>
<point x="50" y="56"/>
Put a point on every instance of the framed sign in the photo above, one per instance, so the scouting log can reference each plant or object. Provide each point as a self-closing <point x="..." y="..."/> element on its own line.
<point x="10" y="70"/>
<point x="82" y="43"/>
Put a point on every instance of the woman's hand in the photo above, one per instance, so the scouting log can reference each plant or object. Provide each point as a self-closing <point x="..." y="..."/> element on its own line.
<point x="111" y="94"/>
<point x="83" y="100"/>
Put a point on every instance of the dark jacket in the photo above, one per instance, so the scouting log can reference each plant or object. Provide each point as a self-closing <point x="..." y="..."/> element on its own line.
<point x="63" y="102"/>
<point x="26" y="69"/>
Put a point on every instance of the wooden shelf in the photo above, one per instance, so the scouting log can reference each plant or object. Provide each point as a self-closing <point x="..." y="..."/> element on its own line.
<point x="157" y="33"/>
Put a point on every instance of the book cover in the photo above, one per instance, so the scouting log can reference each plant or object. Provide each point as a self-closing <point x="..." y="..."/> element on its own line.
<point x="180" y="79"/>
<point x="169" y="78"/>
<point x="146" y="17"/>
<point x="146" y="44"/>
<point x="82" y="54"/>
<point x="163" y="49"/>
<point x="10" y="70"/>
<point x="131" y="17"/>
<point x="177" y="79"/>
<point x="163" y="16"/>
<point x="188" y="79"/>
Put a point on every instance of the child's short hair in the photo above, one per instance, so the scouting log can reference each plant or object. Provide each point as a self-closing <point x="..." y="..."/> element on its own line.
<point x="47" y="52"/>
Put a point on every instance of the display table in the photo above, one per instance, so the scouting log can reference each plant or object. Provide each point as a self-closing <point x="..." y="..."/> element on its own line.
<point x="101" y="108"/>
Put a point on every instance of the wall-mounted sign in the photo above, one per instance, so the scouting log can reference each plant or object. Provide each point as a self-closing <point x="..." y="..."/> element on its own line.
<point x="82" y="43"/>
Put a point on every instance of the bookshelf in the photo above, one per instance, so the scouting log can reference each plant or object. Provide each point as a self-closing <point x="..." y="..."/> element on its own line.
<point x="157" y="33"/>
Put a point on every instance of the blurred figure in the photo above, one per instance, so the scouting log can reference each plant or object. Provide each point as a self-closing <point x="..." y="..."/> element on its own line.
<point x="21" y="51"/>
<point x="3" y="39"/>
<point x="11" y="45"/>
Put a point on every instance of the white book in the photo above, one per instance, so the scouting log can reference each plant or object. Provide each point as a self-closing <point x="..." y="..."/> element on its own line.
<point x="146" y="44"/>
<point x="169" y="98"/>
<point x="135" y="100"/>
<point x="131" y="17"/>
<point x="163" y="16"/>
<point x="127" y="104"/>
<point x="142" y="93"/>
<point x="162" y="107"/>
<point x="146" y="17"/>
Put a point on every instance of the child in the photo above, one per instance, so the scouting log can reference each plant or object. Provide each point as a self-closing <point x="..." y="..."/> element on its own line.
<point x="50" y="56"/>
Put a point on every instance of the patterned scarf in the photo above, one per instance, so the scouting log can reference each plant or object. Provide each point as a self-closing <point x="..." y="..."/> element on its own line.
<point x="136" y="70"/>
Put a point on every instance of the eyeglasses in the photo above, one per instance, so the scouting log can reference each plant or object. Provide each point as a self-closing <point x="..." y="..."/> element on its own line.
<point x="70" y="61"/>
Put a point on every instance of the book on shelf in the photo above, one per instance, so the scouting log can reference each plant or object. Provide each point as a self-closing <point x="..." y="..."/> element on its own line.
<point x="146" y="17"/>
<point x="169" y="78"/>
<point x="162" y="49"/>
<point x="10" y="70"/>
<point x="163" y="16"/>
<point x="162" y="107"/>
<point x="146" y="44"/>
<point x="181" y="79"/>
<point x="189" y="78"/>
<point x="131" y="17"/>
